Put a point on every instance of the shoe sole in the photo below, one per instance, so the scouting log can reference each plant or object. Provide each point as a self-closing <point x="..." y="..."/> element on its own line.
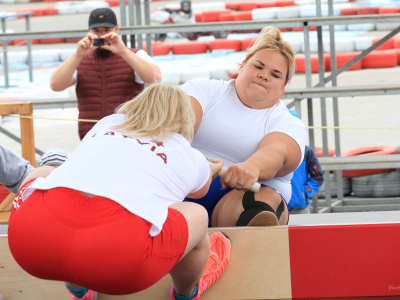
<point x="264" y="218"/>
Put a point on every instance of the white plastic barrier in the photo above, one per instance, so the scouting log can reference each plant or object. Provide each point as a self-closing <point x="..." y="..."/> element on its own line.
<point x="341" y="45"/>
<point x="159" y="16"/>
<point x="363" y="27"/>
<point x="313" y="2"/>
<point x="45" y="56"/>
<point x="362" y="42"/>
<point x="297" y="44"/>
<point x="313" y="45"/>
<point x="220" y="70"/>
<point x="170" y="75"/>
<point x="66" y="53"/>
<point x="66" y="7"/>
<point x="342" y="27"/>
<point x="260" y="14"/>
<point x="192" y="72"/>
<point x="288" y="12"/>
<point x="88" y="6"/>
<point x="205" y="6"/>
<point x="386" y="26"/>
<point x="17" y="57"/>
<point x="309" y="11"/>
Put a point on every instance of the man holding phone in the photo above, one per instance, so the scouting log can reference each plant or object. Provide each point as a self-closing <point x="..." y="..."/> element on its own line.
<point x="105" y="71"/>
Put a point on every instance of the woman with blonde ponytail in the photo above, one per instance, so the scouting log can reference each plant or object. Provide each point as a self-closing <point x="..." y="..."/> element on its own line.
<point x="244" y="122"/>
<point x="111" y="218"/>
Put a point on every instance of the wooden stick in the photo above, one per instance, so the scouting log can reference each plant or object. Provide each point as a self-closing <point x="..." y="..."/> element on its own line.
<point x="254" y="188"/>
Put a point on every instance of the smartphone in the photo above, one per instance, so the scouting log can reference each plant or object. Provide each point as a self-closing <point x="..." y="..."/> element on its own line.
<point x="98" y="42"/>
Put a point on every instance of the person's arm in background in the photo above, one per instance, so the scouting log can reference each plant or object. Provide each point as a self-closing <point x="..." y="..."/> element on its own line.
<point x="147" y="71"/>
<point x="62" y="77"/>
<point x="13" y="169"/>
<point x="315" y="176"/>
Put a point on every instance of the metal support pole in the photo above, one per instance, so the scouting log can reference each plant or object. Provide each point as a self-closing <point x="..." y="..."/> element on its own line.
<point x="321" y="73"/>
<point x="122" y="8"/>
<point x="131" y="15"/>
<point x="29" y="47"/>
<point x="5" y="57"/>
<point x="147" y="22"/>
<point x="308" y="82"/>
<point x="139" y="23"/>
<point x="339" y="177"/>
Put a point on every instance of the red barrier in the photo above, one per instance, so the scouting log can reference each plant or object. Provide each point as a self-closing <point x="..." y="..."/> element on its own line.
<point x="344" y="57"/>
<point x="247" y="43"/>
<point x="368" y="151"/>
<point x="213" y="15"/>
<point x="349" y="11"/>
<point x="389" y="10"/>
<point x="247" y="5"/>
<point x="368" y="10"/>
<point x="389" y="44"/>
<point x="301" y="66"/>
<point x="228" y="44"/>
<point x="226" y="17"/>
<point x="192" y="47"/>
<point x="158" y="48"/>
<point x="51" y="41"/>
<point x="243" y="16"/>
<point x="267" y="4"/>
<point x="283" y="3"/>
<point x="380" y="59"/>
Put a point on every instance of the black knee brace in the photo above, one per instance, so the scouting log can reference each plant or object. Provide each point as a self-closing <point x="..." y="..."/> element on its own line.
<point x="253" y="207"/>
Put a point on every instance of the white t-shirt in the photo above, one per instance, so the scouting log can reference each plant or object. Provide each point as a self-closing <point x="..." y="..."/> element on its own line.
<point x="143" y="176"/>
<point x="141" y="53"/>
<point x="232" y="131"/>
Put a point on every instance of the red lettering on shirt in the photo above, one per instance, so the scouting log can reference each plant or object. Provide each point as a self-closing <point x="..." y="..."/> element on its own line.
<point x="142" y="143"/>
<point x="153" y="148"/>
<point x="163" y="157"/>
<point x="159" y="144"/>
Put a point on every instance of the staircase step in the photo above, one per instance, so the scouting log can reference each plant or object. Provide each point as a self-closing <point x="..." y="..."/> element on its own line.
<point x="361" y="208"/>
<point x="371" y="201"/>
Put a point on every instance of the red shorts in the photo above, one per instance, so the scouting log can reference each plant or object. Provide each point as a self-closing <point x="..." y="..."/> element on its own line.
<point x="62" y="234"/>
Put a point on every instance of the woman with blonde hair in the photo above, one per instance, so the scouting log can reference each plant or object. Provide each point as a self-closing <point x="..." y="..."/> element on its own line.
<point x="111" y="219"/>
<point x="244" y="122"/>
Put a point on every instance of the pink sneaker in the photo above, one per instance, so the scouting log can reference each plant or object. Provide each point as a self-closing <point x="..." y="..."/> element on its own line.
<point x="89" y="295"/>
<point x="220" y="253"/>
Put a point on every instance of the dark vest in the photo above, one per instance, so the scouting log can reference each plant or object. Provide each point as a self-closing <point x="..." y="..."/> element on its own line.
<point x="103" y="83"/>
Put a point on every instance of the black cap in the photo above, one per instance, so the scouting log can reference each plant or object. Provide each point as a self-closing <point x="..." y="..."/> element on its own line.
<point x="102" y="17"/>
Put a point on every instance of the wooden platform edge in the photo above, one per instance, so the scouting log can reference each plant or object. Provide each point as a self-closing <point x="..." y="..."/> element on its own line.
<point x="259" y="268"/>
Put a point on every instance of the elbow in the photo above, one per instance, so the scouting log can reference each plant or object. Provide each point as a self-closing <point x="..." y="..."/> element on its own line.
<point x="55" y="87"/>
<point x="158" y="76"/>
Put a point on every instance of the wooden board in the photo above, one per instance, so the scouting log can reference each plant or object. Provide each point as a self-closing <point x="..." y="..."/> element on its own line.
<point x="259" y="269"/>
